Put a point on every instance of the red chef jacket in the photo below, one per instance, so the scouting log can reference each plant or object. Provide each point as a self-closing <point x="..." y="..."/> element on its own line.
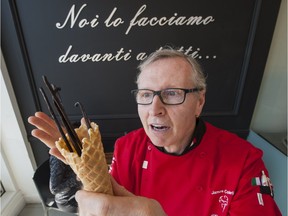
<point x="220" y="176"/>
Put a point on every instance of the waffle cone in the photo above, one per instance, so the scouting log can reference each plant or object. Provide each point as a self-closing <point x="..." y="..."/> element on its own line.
<point x="91" y="168"/>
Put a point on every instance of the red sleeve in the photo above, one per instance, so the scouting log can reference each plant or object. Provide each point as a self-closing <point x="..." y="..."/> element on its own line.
<point x="121" y="166"/>
<point x="249" y="199"/>
<point x="113" y="167"/>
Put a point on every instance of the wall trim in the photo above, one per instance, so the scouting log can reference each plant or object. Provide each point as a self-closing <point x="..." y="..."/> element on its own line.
<point x="12" y="203"/>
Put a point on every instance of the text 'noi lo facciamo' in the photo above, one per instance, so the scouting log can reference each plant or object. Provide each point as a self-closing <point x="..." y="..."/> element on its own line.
<point x="137" y="21"/>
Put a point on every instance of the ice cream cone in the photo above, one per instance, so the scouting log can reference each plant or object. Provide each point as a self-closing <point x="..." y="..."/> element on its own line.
<point x="91" y="168"/>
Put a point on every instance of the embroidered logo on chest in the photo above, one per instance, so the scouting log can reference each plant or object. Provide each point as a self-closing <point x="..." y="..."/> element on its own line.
<point x="224" y="197"/>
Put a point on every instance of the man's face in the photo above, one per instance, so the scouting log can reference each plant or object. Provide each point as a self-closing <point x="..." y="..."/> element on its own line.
<point x="170" y="126"/>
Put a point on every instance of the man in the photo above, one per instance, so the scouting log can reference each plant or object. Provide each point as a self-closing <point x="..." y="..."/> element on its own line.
<point x="177" y="164"/>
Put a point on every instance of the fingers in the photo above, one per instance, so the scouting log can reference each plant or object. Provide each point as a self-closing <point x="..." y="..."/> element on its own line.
<point x="47" y="139"/>
<point x="46" y="118"/>
<point x="57" y="154"/>
<point x="83" y="121"/>
<point x="83" y="195"/>
<point x="46" y="131"/>
<point x="44" y="123"/>
<point x="92" y="203"/>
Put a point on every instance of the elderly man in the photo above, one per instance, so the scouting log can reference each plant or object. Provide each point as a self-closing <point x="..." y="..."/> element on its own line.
<point x="177" y="164"/>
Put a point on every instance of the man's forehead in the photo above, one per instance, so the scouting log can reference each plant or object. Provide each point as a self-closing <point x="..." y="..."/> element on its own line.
<point x="163" y="74"/>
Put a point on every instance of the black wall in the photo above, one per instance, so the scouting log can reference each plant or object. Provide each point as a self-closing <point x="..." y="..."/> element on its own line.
<point x="69" y="41"/>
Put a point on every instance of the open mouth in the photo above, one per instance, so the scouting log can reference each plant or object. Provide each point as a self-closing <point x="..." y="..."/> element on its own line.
<point x="159" y="127"/>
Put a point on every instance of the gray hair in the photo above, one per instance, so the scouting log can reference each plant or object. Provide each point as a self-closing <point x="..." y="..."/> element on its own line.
<point x="198" y="76"/>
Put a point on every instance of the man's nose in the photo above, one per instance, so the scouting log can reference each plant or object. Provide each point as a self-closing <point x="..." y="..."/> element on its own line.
<point x="157" y="107"/>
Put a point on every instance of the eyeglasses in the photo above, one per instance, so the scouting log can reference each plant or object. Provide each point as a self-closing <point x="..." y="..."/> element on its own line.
<point x="170" y="96"/>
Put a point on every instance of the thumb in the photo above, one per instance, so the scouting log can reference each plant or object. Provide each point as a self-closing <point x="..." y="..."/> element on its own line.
<point x="83" y="121"/>
<point x="119" y="190"/>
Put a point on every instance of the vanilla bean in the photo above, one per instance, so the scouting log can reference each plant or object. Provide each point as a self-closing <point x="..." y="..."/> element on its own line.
<point x="87" y="121"/>
<point x="56" y="120"/>
<point x="67" y="124"/>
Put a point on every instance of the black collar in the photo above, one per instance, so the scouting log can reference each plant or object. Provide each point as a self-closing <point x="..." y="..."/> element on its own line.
<point x="199" y="132"/>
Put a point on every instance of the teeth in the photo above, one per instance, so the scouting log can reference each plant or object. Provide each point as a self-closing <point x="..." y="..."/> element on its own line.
<point x="159" y="127"/>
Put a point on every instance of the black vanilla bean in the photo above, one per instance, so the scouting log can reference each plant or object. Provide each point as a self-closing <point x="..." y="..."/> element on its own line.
<point x="87" y="121"/>
<point x="56" y="120"/>
<point x="67" y="124"/>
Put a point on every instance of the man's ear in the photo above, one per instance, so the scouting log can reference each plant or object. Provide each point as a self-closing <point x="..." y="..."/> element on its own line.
<point x="201" y="102"/>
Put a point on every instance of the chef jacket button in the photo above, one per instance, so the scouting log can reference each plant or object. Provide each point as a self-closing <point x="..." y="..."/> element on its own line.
<point x="199" y="188"/>
<point x="202" y="154"/>
<point x="149" y="148"/>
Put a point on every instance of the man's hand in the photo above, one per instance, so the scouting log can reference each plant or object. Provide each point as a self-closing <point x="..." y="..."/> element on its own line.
<point x="46" y="131"/>
<point x="123" y="203"/>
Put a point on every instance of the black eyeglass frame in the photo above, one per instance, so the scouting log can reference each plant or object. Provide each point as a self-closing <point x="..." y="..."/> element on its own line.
<point x="135" y="91"/>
